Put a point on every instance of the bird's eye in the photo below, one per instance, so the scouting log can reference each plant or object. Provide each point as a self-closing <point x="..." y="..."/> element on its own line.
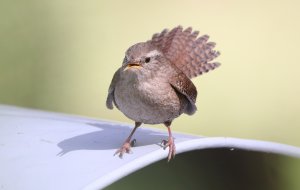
<point x="147" y="59"/>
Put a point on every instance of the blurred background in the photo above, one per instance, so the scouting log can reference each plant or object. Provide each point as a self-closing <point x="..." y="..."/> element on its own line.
<point x="60" y="56"/>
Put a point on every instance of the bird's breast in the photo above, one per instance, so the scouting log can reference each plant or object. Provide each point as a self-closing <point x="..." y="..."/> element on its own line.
<point x="150" y="101"/>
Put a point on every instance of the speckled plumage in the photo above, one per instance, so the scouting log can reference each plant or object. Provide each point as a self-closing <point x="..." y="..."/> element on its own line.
<point x="153" y="84"/>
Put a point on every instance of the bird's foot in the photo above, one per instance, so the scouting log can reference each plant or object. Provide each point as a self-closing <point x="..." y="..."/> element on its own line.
<point x="125" y="148"/>
<point x="172" y="149"/>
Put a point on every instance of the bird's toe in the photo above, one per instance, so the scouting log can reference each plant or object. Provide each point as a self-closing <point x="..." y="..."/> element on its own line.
<point x="126" y="148"/>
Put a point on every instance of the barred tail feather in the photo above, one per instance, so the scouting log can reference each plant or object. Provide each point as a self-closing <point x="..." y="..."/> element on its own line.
<point x="190" y="54"/>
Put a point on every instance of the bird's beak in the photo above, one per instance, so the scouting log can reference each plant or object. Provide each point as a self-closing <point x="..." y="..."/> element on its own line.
<point x="132" y="65"/>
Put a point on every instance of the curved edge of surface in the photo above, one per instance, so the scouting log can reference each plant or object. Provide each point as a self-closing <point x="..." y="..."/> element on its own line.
<point x="192" y="145"/>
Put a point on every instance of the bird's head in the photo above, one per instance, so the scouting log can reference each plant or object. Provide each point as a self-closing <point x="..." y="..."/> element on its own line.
<point x="141" y="57"/>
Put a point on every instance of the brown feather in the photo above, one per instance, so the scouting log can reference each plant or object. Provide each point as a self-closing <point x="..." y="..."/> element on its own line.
<point x="183" y="85"/>
<point x="190" y="54"/>
<point x="110" y="100"/>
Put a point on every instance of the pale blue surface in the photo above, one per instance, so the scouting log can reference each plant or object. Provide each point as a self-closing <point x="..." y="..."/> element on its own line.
<point x="44" y="150"/>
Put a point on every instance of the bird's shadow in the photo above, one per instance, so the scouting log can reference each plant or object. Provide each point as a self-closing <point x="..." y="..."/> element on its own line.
<point x="110" y="136"/>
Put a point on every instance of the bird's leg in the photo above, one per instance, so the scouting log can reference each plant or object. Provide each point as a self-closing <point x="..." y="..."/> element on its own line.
<point x="170" y="143"/>
<point x="127" y="144"/>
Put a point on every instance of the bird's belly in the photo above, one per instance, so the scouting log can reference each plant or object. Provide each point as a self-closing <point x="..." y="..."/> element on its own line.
<point x="148" y="103"/>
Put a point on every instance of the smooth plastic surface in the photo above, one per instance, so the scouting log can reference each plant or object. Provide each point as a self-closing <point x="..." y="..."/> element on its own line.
<point x="44" y="150"/>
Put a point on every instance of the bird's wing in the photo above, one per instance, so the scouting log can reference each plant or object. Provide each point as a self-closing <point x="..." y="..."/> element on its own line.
<point x="190" y="54"/>
<point x="110" y="100"/>
<point x="183" y="85"/>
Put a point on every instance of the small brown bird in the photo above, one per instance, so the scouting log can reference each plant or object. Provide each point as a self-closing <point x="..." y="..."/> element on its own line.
<point x="153" y="84"/>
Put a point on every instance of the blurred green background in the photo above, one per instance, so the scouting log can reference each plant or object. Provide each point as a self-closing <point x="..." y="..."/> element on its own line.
<point x="60" y="55"/>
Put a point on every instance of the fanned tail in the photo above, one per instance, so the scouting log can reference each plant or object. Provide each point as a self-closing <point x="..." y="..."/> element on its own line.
<point x="190" y="54"/>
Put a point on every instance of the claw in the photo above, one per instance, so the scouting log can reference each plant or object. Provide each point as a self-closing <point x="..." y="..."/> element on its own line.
<point x="133" y="142"/>
<point x="126" y="148"/>
<point x="170" y="143"/>
<point x="172" y="149"/>
<point x="163" y="144"/>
